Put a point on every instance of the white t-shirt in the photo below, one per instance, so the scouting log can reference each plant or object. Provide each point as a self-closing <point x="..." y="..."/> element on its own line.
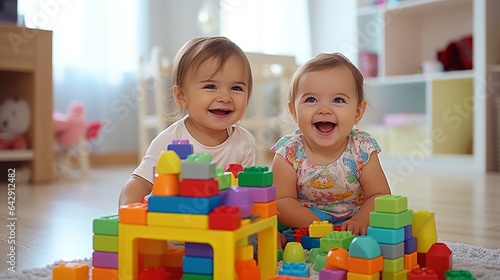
<point x="238" y="148"/>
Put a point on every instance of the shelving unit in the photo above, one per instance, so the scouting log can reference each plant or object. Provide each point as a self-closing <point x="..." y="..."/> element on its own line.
<point x="26" y="72"/>
<point x="457" y="128"/>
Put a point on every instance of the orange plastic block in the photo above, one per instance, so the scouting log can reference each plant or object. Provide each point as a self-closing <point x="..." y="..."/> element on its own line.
<point x="150" y="260"/>
<point x="166" y="185"/>
<point x="152" y="246"/>
<point x="265" y="210"/>
<point x="70" y="271"/>
<point x="364" y="266"/>
<point x="173" y="257"/>
<point x="410" y="260"/>
<point x="134" y="213"/>
<point x="247" y="270"/>
<point x="99" y="273"/>
<point x="337" y="258"/>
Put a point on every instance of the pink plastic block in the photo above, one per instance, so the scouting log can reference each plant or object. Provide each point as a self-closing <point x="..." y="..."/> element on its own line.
<point x="262" y="194"/>
<point x="332" y="274"/>
<point x="104" y="259"/>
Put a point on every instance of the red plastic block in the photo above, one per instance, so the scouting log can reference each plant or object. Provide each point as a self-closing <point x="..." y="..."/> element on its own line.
<point x="234" y="168"/>
<point x="439" y="259"/>
<point x="422" y="274"/>
<point x="154" y="273"/>
<point x="298" y="233"/>
<point x="198" y="188"/>
<point x="224" y="218"/>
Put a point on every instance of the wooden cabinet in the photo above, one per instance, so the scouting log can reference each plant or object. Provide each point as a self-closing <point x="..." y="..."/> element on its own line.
<point x="26" y="72"/>
<point x="430" y="119"/>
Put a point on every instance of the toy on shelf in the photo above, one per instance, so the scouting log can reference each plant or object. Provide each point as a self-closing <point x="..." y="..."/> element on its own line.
<point x="189" y="205"/>
<point x="15" y="119"/>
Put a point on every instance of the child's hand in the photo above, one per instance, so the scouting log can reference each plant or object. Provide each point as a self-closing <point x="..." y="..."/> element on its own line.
<point x="354" y="226"/>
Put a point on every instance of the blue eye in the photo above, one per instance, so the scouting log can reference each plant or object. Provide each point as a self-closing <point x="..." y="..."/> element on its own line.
<point x="338" y="100"/>
<point x="310" y="100"/>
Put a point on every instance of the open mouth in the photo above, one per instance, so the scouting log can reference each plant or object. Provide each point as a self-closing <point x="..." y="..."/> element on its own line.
<point x="221" y="112"/>
<point x="325" y="127"/>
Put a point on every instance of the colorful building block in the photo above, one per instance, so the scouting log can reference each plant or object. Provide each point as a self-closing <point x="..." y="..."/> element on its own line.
<point x="422" y="274"/>
<point x="198" y="265"/>
<point x="181" y="147"/>
<point x="178" y="220"/>
<point x="234" y="168"/>
<point x="70" y="271"/>
<point x="392" y="251"/>
<point x="262" y="194"/>
<point x="334" y="239"/>
<point x="224" y="218"/>
<point x="99" y="273"/>
<point x="424" y="229"/>
<point x="107" y="225"/>
<point x="166" y="184"/>
<point x="391" y="203"/>
<point x="198" y="188"/>
<point x="387" y="235"/>
<point x="439" y="259"/>
<point x="459" y="275"/>
<point x="364" y="247"/>
<point x="320" y="228"/>
<point x="255" y="176"/>
<point x="105" y="259"/>
<point x="265" y="209"/>
<point x="168" y="163"/>
<point x="391" y="220"/>
<point x="298" y="269"/>
<point x="294" y="252"/>
<point x="198" y="166"/>
<point x="332" y="274"/>
<point x="179" y="204"/>
<point x="365" y="266"/>
<point x="134" y="213"/>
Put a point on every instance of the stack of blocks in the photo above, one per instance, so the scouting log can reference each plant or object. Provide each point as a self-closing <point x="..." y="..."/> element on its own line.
<point x="198" y="205"/>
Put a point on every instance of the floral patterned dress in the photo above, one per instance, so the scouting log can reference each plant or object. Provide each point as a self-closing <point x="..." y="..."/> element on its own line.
<point x="334" y="188"/>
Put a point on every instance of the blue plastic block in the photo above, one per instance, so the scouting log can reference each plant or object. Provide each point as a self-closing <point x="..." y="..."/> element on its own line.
<point x="181" y="147"/>
<point x="387" y="235"/>
<point x="364" y="247"/>
<point x="197" y="265"/>
<point x="298" y="269"/>
<point x="179" y="204"/>
<point x="410" y="245"/>
<point x="408" y="232"/>
<point x="310" y="242"/>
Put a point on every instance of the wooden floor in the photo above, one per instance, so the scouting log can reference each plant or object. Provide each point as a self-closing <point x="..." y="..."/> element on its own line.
<point x="55" y="221"/>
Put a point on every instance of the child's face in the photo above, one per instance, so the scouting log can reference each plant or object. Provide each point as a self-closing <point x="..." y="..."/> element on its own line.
<point x="215" y="101"/>
<point x="326" y="106"/>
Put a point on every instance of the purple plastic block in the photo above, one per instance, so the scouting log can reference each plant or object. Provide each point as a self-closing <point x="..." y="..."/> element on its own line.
<point x="410" y="245"/>
<point x="265" y="194"/>
<point x="239" y="197"/>
<point x="181" y="141"/>
<point x="104" y="259"/>
<point x="408" y="232"/>
<point x="332" y="274"/>
<point x="198" y="250"/>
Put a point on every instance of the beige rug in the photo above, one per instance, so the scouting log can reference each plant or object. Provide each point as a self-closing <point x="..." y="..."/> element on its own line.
<point x="482" y="262"/>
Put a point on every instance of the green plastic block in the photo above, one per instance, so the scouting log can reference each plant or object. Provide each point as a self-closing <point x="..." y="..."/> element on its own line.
<point x="341" y="239"/>
<point x="192" y="276"/>
<point x="391" y="220"/>
<point x="391" y="203"/>
<point x="105" y="243"/>
<point x="459" y="275"/>
<point x="319" y="262"/>
<point x="107" y="225"/>
<point x="313" y="254"/>
<point x="364" y="247"/>
<point x="280" y="254"/>
<point x="394" y="265"/>
<point x="255" y="176"/>
<point x="203" y="157"/>
<point x="224" y="180"/>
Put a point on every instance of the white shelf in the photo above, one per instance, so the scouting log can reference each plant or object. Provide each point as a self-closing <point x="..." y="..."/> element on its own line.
<point x="16" y="155"/>
<point x="424" y="77"/>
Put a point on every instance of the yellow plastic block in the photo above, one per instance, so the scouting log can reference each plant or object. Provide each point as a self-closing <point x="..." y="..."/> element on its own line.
<point x="358" y="276"/>
<point x="152" y="246"/>
<point x="223" y="243"/>
<point x="234" y="180"/>
<point x="424" y="229"/>
<point x="399" y="275"/>
<point x="319" y="229"/>
<point x="70" y="271"/>
<point x="178" y="220"/>
<point x="244" y="253"/>
<point x="265" y="209"/>
<point x="134" y="213"/>
<point x="173" y="257"/>
<point x="105" y="243"/>
<point x="168" y="163"/>
<point x="99" y="273"/>
<point x="166" y="185"/>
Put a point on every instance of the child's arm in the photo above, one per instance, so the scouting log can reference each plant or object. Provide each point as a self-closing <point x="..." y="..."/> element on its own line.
<point x="291" y="212"/>
<point x="134" y="190"/>
<point x="374" y="183"/>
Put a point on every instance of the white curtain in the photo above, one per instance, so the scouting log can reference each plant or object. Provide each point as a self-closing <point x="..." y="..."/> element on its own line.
<point x="268" y="26"/>
<point x="95" y="60"/>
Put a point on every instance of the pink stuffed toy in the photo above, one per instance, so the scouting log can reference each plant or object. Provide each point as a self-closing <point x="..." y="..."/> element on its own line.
<point x="70" y="127"/>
